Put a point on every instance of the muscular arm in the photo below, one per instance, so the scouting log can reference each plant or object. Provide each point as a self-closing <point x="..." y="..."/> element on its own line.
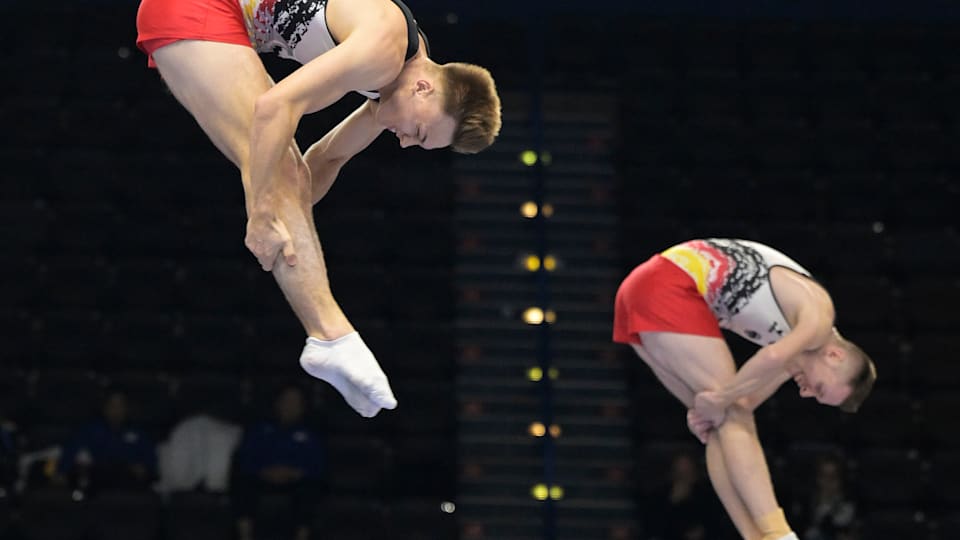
<point x="368" y="58"/>
<point x="757" y="398"/>
<point x="768" y="367"/>
<point x="327" y="156"/>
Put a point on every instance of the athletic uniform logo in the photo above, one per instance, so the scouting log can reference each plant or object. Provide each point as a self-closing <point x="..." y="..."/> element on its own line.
<point x="726" y="272"/>
<point x="286" y="20"/>
<point x="292" y="18"/>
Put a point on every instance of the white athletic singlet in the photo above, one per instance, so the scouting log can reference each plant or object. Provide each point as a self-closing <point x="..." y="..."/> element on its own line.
<point x="734" y="278"/>
<point x="297" y="29"/>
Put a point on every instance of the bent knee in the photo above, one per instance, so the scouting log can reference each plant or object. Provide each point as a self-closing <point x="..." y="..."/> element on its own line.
<point x="739" y="414"/>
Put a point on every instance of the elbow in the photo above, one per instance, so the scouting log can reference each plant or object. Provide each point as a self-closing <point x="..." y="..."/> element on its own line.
<point x="268" y="108"/>
<point x="773" y="355"/>
<point x="324" y="168"/>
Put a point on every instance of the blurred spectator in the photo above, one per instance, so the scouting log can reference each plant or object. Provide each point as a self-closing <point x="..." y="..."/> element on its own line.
<point x="827" y="513"/>
<point x="198" y="454"/>
<point x="686" y="508"/>
<point x="108" y="453"/>
<point x="280" y="457"/>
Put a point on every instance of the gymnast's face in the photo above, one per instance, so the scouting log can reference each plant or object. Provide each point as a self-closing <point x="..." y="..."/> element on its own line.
<point x="825" y="376"/>
<point x="415" y="115"/>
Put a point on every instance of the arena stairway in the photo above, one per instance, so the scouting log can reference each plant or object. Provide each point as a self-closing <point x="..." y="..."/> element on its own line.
<point x="501" y="440"/>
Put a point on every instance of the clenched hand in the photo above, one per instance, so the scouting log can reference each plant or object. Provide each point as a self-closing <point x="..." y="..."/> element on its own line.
<point x="267" y="238"/>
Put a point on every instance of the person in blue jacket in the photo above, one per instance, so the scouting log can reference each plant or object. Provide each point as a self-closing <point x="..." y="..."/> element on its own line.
<point x="279" y="456"/>
<point x="109" y="453"/>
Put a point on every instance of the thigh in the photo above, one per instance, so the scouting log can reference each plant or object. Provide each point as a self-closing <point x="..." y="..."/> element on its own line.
<point x="678" y="388"/>
<point x="701" y="362"/>
<point x="219" y="84"/>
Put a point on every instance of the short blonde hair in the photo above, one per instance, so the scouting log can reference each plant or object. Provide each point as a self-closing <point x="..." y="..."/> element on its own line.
<point x="471" y="99"/>
<point x="862" y="381"/>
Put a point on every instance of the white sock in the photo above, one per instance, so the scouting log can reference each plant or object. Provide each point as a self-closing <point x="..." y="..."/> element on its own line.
<point x="348" y="365"/>
<point x="790" y="536"/>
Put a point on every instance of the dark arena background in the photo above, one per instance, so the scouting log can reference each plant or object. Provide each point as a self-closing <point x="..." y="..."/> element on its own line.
<point x="484" y="284"/>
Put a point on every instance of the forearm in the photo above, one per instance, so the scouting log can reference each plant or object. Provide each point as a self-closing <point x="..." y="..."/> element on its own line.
<point x="327" y="156"/>
<point x="272" y="131"/>
<point x="323" y="172"/>
<point x="755" y="399"/>
<point x="755" y="377"/>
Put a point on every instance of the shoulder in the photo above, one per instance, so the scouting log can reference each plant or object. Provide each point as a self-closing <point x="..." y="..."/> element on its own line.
<point x="372" y="18"/>
<point x="800" y="293"/>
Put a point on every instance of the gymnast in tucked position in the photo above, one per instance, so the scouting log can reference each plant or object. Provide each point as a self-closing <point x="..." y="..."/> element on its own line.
<point x="206" y="53"/>
<point x="671" y="309"/>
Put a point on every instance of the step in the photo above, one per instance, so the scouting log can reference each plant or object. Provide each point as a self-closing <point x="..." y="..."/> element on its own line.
<point x="492" y="366"/>
<point x="573" y="241"/>
<point x="508" y="507"/>
<point x="594" y="218"/>
<point x="472" y="465"/>
<point x="476" y="194"/>
<point x="494" y="165"/>
<point x="478" y="325"/>
<point x="508" y="300"/>
<point x="598" y="315"/>
<point x="494" y="485"/>
<point x="570" y="258"/>
<point x="526" y="446"/>
<point x="570" y="425"/>
<point x="585" y="386"/>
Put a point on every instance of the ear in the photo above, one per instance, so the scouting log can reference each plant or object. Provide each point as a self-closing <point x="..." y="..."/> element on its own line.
<point x="423" y="87"/>
<point x="835" y="356"/>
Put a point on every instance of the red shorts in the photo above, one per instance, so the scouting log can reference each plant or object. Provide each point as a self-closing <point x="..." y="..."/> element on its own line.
<point x="162" y="22"/>
<point x="658" y="296"/>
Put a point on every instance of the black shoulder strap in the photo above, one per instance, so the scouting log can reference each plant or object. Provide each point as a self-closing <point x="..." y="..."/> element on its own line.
<point x="413" y="32"/>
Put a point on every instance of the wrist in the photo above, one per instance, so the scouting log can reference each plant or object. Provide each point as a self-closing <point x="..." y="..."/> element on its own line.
<point x="725" y="398"/>
<point x="262" y="206"/>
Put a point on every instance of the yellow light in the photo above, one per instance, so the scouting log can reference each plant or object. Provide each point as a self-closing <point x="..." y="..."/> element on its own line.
<point x="529" y="209"/>
<point x="547" y="210"/>
<point x="537" y="429"/>
<point x="555" y="431"/>
<point x="532" y="263"/>
<point x="528" y="157"/>
<point x="540" y="492"/>
<point x="533" y="315"/>
<point x="535" y="374"/>
<point x="553" y="373"/>
<point x="550" y="263"/>
<point x="556" y="493"/>
<point x="551" y="316"/>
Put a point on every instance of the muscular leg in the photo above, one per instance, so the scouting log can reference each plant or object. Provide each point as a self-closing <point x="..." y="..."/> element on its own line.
<point x="678" y="388"/>
<point x="723" y="486"/>
<point x="219" y="84"/>
<point x="705" y="363"/>
<point x="716" y="468"/>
